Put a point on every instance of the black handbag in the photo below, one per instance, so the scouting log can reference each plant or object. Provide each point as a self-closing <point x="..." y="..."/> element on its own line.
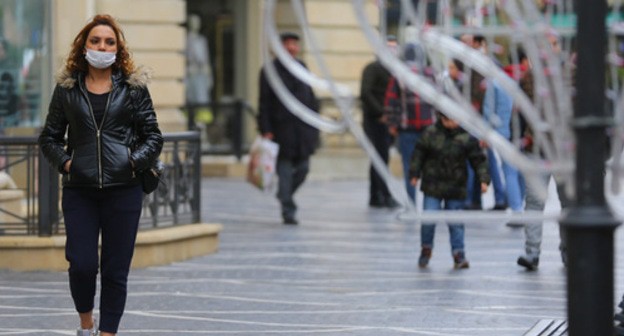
<point x="152" y="177"/>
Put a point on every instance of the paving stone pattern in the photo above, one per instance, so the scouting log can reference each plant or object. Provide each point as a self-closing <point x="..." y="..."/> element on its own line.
<point x="345" y="270"/>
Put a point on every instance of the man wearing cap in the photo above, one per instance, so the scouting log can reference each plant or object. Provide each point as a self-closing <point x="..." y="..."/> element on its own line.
<point x="297" y="140"/>
<point x="375" y="80"/>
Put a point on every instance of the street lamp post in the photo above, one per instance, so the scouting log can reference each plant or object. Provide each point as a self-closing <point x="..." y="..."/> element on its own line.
<point x="589" y="224"/>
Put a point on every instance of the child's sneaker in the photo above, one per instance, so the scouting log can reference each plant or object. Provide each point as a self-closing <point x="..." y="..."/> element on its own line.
<point x="460" y="261"/>
<point x="88" y="332"/>
<point x="425" y="255"/>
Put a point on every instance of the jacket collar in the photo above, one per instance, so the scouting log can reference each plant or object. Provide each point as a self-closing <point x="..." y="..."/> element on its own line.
<point x="139" y="78"/>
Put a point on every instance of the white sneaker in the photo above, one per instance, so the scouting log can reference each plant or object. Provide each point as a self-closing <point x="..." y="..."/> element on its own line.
<point x="88" y="332"/>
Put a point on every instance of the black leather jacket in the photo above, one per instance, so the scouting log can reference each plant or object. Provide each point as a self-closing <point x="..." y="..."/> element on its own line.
<point x="101" y="154"/>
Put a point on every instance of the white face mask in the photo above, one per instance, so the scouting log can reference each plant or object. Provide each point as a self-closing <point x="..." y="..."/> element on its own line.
<point x="100" y="59"/>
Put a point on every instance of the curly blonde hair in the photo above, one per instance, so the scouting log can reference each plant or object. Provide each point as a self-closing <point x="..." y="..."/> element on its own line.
<point x="76" y="61"/>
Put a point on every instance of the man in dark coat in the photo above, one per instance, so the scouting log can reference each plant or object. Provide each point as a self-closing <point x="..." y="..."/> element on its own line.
<point x="297" y="140"/>
<point x="375" y="80"/>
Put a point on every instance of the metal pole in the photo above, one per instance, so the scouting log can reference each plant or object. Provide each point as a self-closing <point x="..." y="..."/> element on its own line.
<point x="383" y="22"/>
<point x="237" y="129"/>
<point x="589" y="224"/>
<point x="195" y="143"/>
<point x="190" y="123"/>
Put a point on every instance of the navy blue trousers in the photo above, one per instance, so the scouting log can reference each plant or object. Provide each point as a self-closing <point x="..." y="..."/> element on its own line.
<point x="115" y="213"/>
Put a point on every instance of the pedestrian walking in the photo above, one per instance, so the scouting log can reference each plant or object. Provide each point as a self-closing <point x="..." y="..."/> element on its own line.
<point x="297" y="140"/>
<point x="374" y="83"/>
<point x="533" y="230"/>
<point x="477" y="86"/>
<point x="407" y="114"/>
<point x="497" y="110"/>
<point x="102" y="105"/>
<point x="439" y="161"/>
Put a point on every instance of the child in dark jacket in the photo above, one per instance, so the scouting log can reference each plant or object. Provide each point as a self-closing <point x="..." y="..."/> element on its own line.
<point x="439" y="161"/>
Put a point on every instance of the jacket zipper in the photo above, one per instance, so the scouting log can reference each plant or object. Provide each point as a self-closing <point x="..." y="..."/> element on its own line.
<point x="98" y="132"/>
<point x="99" y="139"/>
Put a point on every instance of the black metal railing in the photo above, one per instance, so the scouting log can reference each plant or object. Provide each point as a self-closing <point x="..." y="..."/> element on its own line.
<point x="19" y="185"/>
<point x="178" y="197"/>
<point x="31" y="205"/>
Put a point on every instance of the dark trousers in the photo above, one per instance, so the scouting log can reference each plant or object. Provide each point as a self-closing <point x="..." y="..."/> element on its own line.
<point x="291" y="175"/>
<point x="377" y="133"/>
<point x="115" y="213"/>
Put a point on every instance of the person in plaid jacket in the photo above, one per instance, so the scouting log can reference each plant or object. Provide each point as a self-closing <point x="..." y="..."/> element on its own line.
<point x="407" y="114"/>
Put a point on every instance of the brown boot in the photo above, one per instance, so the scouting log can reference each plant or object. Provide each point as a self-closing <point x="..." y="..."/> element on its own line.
<point x="459" y="259"/>
<point x="425" y="255"/>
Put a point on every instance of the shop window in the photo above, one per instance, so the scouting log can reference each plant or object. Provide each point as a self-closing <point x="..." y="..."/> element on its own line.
<point x="24" y="62"/>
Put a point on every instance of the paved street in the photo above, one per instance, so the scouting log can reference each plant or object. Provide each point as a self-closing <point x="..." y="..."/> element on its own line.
<point x="345" y="270"/>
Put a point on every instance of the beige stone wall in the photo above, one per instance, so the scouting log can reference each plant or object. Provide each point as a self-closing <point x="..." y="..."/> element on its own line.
<point x="340" y="39"/>
<point x="253" y="19"/>
<point x="155" y="37"/>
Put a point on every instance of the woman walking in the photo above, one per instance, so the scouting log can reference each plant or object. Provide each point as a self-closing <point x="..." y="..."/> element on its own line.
<point x="102" y="104"/>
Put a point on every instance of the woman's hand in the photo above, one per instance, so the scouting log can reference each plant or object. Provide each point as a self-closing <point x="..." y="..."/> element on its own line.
<point x="67" y="165"/>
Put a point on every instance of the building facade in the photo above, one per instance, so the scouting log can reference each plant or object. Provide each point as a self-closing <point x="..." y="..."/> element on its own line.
<point x="36" y="36"/>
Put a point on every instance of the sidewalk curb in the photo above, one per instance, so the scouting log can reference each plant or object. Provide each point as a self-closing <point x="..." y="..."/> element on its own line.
<point x="153" y="247"/>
